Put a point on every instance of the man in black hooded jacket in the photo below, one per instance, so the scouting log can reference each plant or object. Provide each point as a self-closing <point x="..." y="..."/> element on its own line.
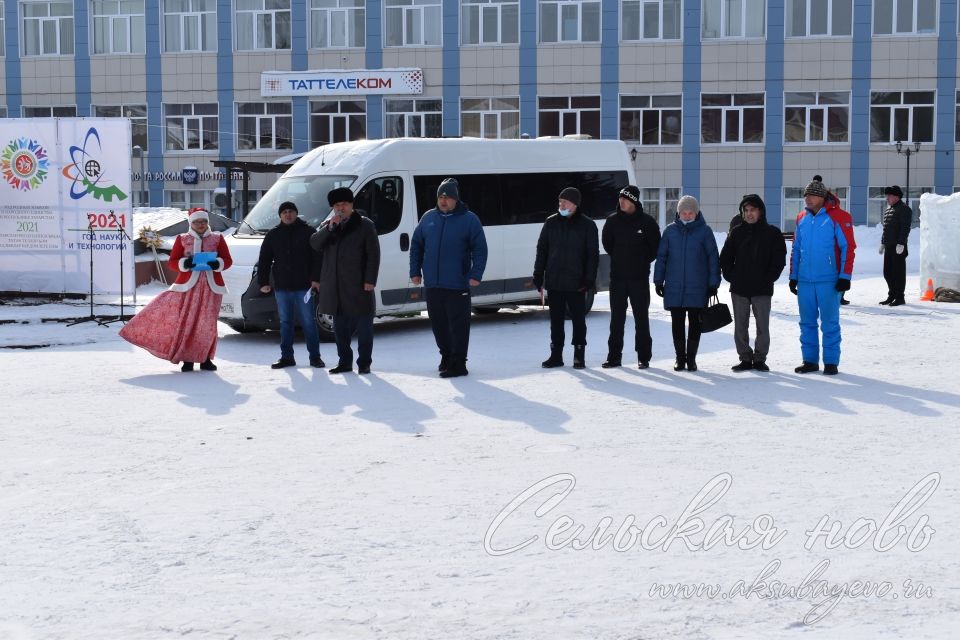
<point x="631" y="239"/>
<point x="752" y="259"/>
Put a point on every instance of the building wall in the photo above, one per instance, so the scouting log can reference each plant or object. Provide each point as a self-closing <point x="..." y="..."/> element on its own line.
<point x="719" y="174"/>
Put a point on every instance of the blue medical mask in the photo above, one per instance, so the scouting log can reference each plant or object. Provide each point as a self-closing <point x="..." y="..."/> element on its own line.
<point x="564" y="212"/>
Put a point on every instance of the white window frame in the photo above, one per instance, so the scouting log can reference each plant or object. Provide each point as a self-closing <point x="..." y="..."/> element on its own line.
<point x="340" y="115"/>
<point x="570" y="110"/>
<point x="932" y="105"/>
<point x="131" y="25"/>
<point x="816" y="106"/>
<point x="491" y="116"/>
<point x="913" y="20"/>
<point x="58" y="111"/>
<point x="794" y="204"/>
<point x="560" y="6"/>
<point x="745" y="11"/>
<point x="725" y="110"/>
<point x="419" y="11"/>
<point x="185" y="120"/>
<point x="651" y="107"/>
<point x="352" y="12"/>
<point x="476" y="11"/>
<point x="189" y="201"/>
<point x="58" y="23"/>
<point x="124" y="111"/>
<point x="877" y="204"/>
<point x="260" y="120"/>
<point x="255" y="16"/>
<point x="196" y="20"/>
<point x="643" y="24"/>
<point x="665" y="198"/>
<point x="417" y="115"/>
<point x="788" y="15"/>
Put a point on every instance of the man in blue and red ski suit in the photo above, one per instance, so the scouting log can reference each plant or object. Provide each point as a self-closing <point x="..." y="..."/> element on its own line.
<point x="821" y="265"/>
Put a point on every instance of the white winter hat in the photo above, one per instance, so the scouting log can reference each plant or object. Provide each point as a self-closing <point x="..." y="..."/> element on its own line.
<point x="198" y="213"/>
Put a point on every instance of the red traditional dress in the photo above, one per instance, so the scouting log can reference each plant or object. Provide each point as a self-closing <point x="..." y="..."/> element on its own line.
<point x="180" y="324"/>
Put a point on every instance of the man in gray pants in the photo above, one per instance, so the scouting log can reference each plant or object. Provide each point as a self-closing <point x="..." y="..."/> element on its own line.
<point x="752" y="259"/>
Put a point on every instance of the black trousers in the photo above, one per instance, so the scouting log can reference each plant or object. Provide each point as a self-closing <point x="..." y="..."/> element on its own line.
<point x="449" y="311"/>
<point x="895" y="271"/>
<point x="637" y="292"/>
<point x="686" y="349"/>
<point x="343" y="329"/>
<point x="562" y="303"/>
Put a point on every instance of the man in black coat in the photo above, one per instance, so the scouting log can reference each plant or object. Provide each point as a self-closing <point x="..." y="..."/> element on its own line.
<point x="286" y="253"/>
<point x="351" y="262"/>
<point x="752" y="259"/>
<point x="897" y="218"/>
<point x="631" y="239"/>
<point x="568" y="253"/>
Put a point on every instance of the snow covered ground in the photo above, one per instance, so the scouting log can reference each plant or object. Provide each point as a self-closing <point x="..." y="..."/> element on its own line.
<point x="140" y="502"/>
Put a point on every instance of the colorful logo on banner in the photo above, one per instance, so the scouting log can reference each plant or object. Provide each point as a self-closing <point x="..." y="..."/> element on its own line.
<point x="24" y="164"/>
<point x="87" y="170"/>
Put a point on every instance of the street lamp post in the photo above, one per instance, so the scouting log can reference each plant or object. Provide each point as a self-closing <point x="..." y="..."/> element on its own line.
<point x="138" y="153"/>
<point x="906" y="150"/>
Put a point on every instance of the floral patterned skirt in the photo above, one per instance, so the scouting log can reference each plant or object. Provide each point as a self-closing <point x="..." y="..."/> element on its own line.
<point x="178" y="326"/>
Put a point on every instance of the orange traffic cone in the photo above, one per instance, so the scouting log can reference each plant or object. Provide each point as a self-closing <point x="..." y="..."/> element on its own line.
<point x="927" y="295"/>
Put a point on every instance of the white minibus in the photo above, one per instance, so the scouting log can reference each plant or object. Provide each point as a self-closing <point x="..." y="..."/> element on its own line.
<point x="512" y="185"/>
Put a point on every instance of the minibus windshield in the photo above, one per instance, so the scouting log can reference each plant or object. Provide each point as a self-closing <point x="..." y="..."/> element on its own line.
<point x="309" y="193"/>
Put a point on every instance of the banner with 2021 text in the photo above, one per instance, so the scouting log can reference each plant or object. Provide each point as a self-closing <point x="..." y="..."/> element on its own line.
<point x="64" y="198"/>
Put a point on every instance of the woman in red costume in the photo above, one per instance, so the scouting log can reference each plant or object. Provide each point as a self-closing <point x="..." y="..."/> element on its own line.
<point x="180" y="324"/>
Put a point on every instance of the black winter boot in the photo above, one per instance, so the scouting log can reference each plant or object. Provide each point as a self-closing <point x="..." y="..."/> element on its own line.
<point x="207" y="365"/>
<point x="613" y="360"/>
<point x="681" y="362"/>
<point x="579" y="354"/>
<point x="555" y="359"/>
<point x="807" y="367"/>
<point x="187" y="366"/>
<point x="444" y="363"/>
<point x="456" y="369"/>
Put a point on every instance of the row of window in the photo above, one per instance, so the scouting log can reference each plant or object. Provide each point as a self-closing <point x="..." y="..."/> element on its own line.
<point x="660" y="203"/>
<point x="810" y="117"/>
<point x="118" y="26"/>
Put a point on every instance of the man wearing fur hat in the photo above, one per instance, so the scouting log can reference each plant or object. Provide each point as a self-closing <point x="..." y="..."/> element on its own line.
<point x="348" y="242"/>
<point x="631" y="239"/>
<point x="752" y="259"/>
<point x="821" y="265"/>
<point x="897" y="218"/>
<point x="448" y="254"/>
<point x="287" y="255"/>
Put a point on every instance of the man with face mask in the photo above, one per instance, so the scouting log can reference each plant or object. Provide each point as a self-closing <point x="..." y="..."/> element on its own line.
<point x="568" y="252"/>
<point x="752" y="259"/>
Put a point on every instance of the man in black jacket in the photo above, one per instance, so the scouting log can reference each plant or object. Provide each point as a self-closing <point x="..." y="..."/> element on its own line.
<point x="568" y="253"/>
<point x="287" y="254"/>
<point x="897" y="218"/>
<point x="351" y="262"/>
<point x="631" y="239"/>
<point x="752" y="259"/>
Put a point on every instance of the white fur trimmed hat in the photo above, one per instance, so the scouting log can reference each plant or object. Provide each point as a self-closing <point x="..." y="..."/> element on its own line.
<point x="198" y="213"/>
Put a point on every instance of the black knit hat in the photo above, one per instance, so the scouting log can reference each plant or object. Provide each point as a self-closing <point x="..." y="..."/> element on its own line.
<point x="631" y="193"/>
<point x="816" y="188"/>
<point x="341" y="194"/>
<point x="449" y="188"/>
<point x="287" y="205"/>
<point x="893" y="191"/>
<point x="572" y="194"/>
<point x="754" y="200"/>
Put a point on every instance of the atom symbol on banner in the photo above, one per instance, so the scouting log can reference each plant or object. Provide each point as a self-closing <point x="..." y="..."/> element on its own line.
<point x="91" y="178"/>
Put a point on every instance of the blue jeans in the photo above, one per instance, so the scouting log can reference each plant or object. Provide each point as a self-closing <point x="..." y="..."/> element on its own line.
<point x="343" y="328"/>
<point x="819" y="300"/>
<point x="290" y="305"/>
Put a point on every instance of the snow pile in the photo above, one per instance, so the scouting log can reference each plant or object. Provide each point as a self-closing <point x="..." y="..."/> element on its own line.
<point x="939" y="241"/>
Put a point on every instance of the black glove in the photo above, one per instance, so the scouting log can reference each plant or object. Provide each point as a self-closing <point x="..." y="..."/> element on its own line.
<point x="658" y="287"/>
<point x="793" y="287"/>
<point x="538" y="283"/>
<point x="712" y="291"/>
<point x="214" y="264"/>
<point x="843" y="284"/>
<point x="188" y="263"/>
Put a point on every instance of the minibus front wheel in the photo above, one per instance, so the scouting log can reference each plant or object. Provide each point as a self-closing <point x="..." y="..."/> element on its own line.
<point x="325" y="326"/>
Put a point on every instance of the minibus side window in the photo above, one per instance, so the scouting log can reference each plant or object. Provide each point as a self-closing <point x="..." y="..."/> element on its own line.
<point x="381" y="200"/>
<point x="480" y="192"/>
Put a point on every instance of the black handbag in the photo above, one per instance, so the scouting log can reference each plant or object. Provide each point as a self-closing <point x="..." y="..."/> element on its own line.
<point x="714" y="316"/>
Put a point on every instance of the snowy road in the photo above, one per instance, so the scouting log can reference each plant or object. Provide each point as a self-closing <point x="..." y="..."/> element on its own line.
<point x="139" y="502"/>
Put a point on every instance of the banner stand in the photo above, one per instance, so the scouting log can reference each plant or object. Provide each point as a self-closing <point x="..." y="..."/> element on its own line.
<point x="123" y="236"/>
<point x="91" y="317"/>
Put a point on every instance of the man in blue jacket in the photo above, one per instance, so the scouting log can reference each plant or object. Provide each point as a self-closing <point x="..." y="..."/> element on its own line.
<point x="448" y="254"/>
<point x="821" y="265"/>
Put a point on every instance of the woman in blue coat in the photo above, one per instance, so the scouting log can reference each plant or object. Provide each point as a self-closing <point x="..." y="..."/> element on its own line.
<point x="686" y="275"/>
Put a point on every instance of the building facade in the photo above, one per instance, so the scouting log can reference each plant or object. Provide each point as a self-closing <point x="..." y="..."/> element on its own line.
<point x="716" y="98"/>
